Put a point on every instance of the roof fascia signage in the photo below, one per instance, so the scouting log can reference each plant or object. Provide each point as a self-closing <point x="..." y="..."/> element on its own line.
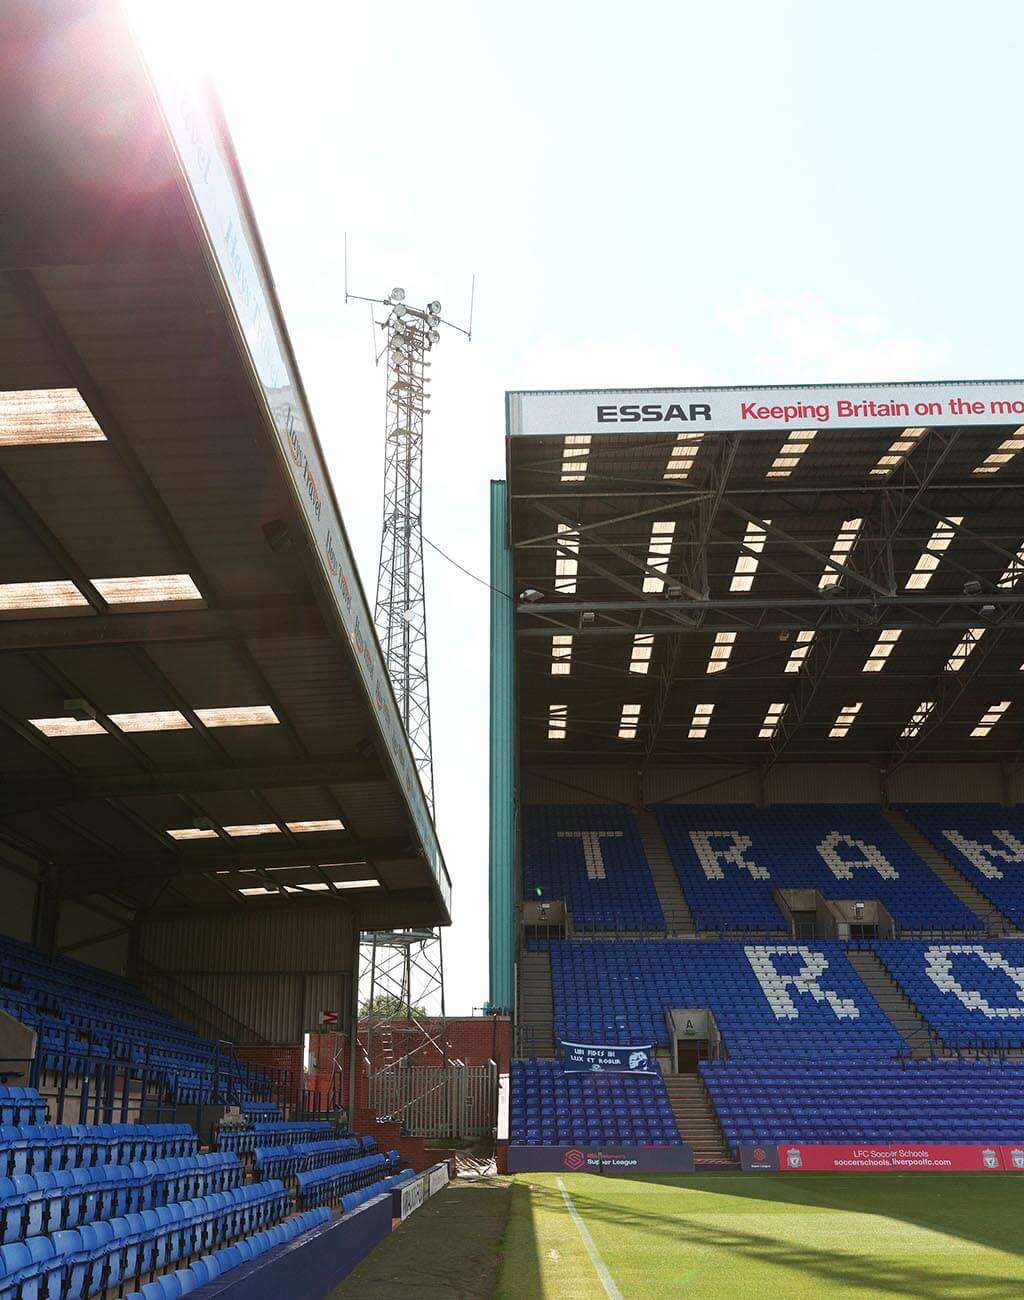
<point x="715" y="410"/>
<point x="217" y="194"/>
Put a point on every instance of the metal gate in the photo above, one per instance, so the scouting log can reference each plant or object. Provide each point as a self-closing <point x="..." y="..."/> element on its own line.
<point x="455" y="1101"/>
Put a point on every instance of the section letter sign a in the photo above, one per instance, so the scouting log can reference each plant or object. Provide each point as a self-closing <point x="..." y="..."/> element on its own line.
<point x="594" y="1058"/>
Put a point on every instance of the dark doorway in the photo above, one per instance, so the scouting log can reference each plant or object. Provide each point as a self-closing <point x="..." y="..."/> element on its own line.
<point x="687" y="1056"/>
<point x="804" y="925"/>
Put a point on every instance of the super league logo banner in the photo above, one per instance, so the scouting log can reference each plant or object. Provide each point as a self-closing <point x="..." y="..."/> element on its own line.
<point x="594" y="1058"/>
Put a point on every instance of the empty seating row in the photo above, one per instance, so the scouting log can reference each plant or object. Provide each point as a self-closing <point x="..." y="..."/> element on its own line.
<point x="38" y="1148"/>
<point x="730" y="858"/>
<point x="210" y="1267"/>
<point x="34" y="1204"/>
<point x="264" y="1110"/>
<point x="592" y="856"/>
<point x="83" y="1015"/>
<point x="921" y="1101"/>
<point x="971" y="994"/>
<point x="21" y="1105"/>
<point x="352" y="1200"/>
<point x="76" y="1263"/>
<point x="769" y="1000"/>
<point x="285" y="1162"/>
<point x="985" y="841"/>
<point x="272" y="1133"/>
<point x="327" y="1186"/>
<point x="550" y="1108"/>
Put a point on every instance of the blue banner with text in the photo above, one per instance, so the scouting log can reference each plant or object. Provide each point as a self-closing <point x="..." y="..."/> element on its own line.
<point x="594" y="1058"/>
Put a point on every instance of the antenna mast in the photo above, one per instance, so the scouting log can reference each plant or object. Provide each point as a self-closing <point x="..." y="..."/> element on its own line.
<point x="401" y="613"/>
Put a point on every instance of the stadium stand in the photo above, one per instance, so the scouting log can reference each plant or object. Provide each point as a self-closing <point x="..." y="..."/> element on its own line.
<point x="730" y="857"/>
<point x="770" y="1001"/>
<point x="210" y="1267"/>
<point x="272" y="1133"/>
<point x="328" y="1186"/>
<point x="985" y="842"/>
<point x="549" y="1108"/>
<point x="82" y="1214"/>
<point x="286" y="1162"/>
<point x="836" y="1101"/>
<point x="971" y="994"/>
<point x="84" y="1017"/>
<point x="592" y="857"/>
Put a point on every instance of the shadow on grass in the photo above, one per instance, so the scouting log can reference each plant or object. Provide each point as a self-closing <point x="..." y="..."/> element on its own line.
<point x="520" y="1273"/>
<point x="836" y="1264"/>
<point x="447" y="1250"/>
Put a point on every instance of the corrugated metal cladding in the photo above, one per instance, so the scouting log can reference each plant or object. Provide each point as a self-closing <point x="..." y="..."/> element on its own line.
<point x="823" y="783"/>
<point x="18" y="905"/>
<point x="947" y="782"/>
<point x="279" y="939"/>
<point x="270" y="1008"/>
<point x="701" y="785"/>
<point x="578" y="785"/>
<point x="78" y="923"/>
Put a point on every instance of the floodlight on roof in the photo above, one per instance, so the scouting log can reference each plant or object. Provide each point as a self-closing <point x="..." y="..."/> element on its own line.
<point x="397" y="295"/>
<point x="434" y="308"/>
<point x="434" y="336"/>
<point x="530" y="596"/>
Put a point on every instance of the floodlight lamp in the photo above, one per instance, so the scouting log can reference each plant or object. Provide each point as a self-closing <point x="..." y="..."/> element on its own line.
<point x="434" y="308"/>
<point x="587" y="617"/>
<point x="531" y="595"/>
<point x="972" y="588"/>
<point x="434" y="336"/>
<point x="398" y="295"/>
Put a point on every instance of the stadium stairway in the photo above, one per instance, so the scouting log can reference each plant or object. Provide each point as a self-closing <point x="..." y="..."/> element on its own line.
<point x="696" y="1119"/>
<point x="898" y="1008"/>
<point x="995" y="921"/>
<point x="536" y="1006"/>
<point x="678" y="917"/>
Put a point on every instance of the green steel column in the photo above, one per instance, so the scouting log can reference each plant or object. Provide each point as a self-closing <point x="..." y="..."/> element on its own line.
<point x="502" y="784"/>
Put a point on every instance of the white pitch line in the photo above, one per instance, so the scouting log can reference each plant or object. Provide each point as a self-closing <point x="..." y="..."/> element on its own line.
<point x="610" y="1289"/>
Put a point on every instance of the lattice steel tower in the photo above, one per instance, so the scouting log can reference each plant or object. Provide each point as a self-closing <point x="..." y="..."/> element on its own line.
<point x="401" y="612"/>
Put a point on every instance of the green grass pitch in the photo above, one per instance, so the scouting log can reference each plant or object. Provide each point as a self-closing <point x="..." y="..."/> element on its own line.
<point x="779" y="1236"/>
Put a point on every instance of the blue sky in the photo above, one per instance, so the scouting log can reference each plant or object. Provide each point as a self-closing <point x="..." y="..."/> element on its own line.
<point x="652" y="194"/>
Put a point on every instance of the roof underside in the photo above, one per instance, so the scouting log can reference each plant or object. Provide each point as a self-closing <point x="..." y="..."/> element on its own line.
<point x="739" y="541"/>
<point x="161" y="466"/>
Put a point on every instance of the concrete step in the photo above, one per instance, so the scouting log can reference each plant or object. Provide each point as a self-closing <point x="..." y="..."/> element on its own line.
<point x="695" y="1116"/>
<point x="996" y="922"/>
<point x="678" y="917"/>
<point x="897" y="1007"/>
<point x="536" y="1005"/>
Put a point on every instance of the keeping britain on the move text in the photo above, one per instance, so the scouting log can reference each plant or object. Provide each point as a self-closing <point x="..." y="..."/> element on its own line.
<point x="757" y="412"/>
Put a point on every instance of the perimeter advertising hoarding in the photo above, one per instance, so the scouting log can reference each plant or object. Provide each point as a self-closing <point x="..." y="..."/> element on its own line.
<point x="716" y="410"/>
<point x="232" y="241"/>
<point x="795" y="1157"/>
<point x="601" y="1160"/>
<point x="413" y="1196"/>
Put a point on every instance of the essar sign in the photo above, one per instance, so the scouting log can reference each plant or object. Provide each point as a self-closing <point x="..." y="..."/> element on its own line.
<point x="653" y="413"/>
